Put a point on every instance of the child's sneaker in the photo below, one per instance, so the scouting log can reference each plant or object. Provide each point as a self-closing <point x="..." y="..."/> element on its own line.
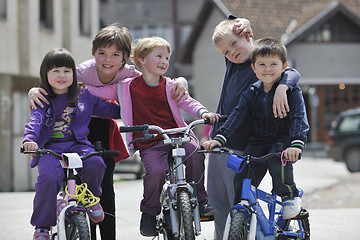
<point x="41" y="234"/>
<point x="96" y="213"/>
<point x="206" y="210"/>
<point x="291" y="207"/>
<point x="148" y="225"/>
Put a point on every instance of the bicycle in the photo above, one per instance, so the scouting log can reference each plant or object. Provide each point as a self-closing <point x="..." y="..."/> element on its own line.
<point x="74" y="199"/>
<point x="241" y="223"/>
<point x="180" y="217"/>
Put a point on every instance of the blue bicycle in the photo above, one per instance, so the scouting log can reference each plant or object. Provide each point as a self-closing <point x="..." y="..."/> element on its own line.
<point x="241" y="223"/>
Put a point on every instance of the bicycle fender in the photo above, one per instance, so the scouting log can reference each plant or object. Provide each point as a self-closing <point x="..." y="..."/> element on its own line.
<point x="243" y="209"/>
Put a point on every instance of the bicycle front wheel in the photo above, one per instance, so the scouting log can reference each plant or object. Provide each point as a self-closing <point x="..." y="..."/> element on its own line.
<point x="186" y="216"/>
<point x="77" y="227"/>
<point x="239" y="226"/>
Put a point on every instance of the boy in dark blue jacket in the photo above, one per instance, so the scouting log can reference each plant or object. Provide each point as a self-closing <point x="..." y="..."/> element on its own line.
<point x="232" y="38"/>
<point x="269" y="63"/>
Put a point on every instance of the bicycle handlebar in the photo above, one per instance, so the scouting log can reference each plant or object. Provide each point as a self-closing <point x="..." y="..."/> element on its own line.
<point x="101" y="153"/>
<point x="219" y="150"/>
<point x="147" y="136"/>
<point x="138" y="128"/>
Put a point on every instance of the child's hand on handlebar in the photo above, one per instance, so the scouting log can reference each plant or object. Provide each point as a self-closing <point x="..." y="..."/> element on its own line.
<point x="30" y="146"/>
<point x="213" y="117"/>
<point x="292" y="153"/>
<point x="210" y="144"/>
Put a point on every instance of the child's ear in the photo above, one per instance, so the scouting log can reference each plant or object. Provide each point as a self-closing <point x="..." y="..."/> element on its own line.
<point x="248" y="37"/>
<point x="284" y="66"/>
<point x="141" y="60"/>
<point x="253" y="68"/>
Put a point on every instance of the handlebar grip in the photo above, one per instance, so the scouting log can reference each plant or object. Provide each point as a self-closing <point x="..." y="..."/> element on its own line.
<point x="221" y="119"/>
<point x="133" y="128"/>
<point x="109" y="153"/>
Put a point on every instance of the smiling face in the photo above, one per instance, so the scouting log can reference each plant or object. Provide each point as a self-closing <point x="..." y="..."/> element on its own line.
<point x="268" y="69"/>
<point x="156" y="63"/>
<point x="236" y="49"/>
<point x="60" y="79"/>
<point x="108" y="60"/>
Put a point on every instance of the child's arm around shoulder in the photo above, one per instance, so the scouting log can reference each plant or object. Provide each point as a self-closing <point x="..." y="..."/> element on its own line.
<point x="180" y="89"/>
<point x="290" y="77"/>
<point x="36" y="97"/>
<point x="128" y="71"/>
<point x="288" y="81"/>
<point x="33" y="127"/>
<point x="106" y="92"/>
<point x="102" y="108"/>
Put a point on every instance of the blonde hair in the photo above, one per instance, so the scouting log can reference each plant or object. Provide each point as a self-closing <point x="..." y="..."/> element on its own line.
<point x="144" y="46"/>
<point x="223" y="28"/>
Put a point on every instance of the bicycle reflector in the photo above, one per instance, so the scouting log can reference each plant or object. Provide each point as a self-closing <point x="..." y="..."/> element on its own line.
<point x="236" y="163"/>
<point x="71" y="160"/>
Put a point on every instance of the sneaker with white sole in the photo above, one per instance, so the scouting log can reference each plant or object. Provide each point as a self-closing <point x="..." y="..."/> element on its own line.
<point x="96" y="213"/>
<point x="291" y="207"/>
<point x="41" y="234"/>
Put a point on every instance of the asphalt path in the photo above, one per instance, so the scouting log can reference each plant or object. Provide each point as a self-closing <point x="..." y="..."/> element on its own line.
<point x="331" y="194"/>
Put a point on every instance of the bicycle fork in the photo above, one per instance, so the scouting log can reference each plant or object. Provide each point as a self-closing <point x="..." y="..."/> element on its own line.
<point x="71" y="209"/>
<point x="173" y="188"/>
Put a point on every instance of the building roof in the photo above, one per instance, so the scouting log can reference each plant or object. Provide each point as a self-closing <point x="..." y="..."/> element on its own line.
<point x="282" y="19"/>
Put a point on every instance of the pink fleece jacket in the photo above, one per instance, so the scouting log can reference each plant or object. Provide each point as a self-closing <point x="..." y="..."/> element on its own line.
<point x="121" y="92"/>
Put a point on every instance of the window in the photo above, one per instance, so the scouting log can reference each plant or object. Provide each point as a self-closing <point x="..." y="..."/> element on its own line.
<point x="146" y="30"/>
<point x="84" y="17"/>
<point x="350" y="124"/>
<point x="338" y="29"/>
<point x="3" y="9"/>
<point x="46" y="14"/>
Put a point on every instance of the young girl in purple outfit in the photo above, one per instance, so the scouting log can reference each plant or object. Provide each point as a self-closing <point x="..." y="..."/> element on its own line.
<point x="62" y="126"/>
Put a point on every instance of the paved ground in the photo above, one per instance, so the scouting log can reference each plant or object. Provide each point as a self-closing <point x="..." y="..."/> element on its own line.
<point x="331" y="195"/>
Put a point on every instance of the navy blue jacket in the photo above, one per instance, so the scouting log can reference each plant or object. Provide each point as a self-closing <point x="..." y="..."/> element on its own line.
<point x="238" y="77"/>
<point x="255" y="106"/>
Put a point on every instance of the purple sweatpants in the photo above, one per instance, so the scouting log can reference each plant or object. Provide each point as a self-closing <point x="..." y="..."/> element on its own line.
<point x="155" y="161"/>
<point x="51" y="175"/>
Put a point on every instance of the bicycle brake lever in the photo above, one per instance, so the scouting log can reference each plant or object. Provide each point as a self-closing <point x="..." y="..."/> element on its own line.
<point x="147" y="137"/>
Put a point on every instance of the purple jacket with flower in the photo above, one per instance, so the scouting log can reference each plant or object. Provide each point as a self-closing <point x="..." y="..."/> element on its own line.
<point x="42" y="120"/>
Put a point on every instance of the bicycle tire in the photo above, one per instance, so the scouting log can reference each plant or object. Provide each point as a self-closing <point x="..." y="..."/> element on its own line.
<point x="293" y="225"/>
<point x="239" y="226"/>
<point x="78" y="227"/>
<point x="186" y="228"/>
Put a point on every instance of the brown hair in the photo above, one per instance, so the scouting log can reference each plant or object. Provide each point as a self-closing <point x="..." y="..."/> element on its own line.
<point x="269" y="47"/>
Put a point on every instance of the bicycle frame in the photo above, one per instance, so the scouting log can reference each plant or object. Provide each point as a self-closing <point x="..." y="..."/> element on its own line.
<point x="68" y="209"/>
<point x="265" y="226"/>
<point x="261" y="227"/>
<point x="176" y="179"/>
<point x="72" y="161"/>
